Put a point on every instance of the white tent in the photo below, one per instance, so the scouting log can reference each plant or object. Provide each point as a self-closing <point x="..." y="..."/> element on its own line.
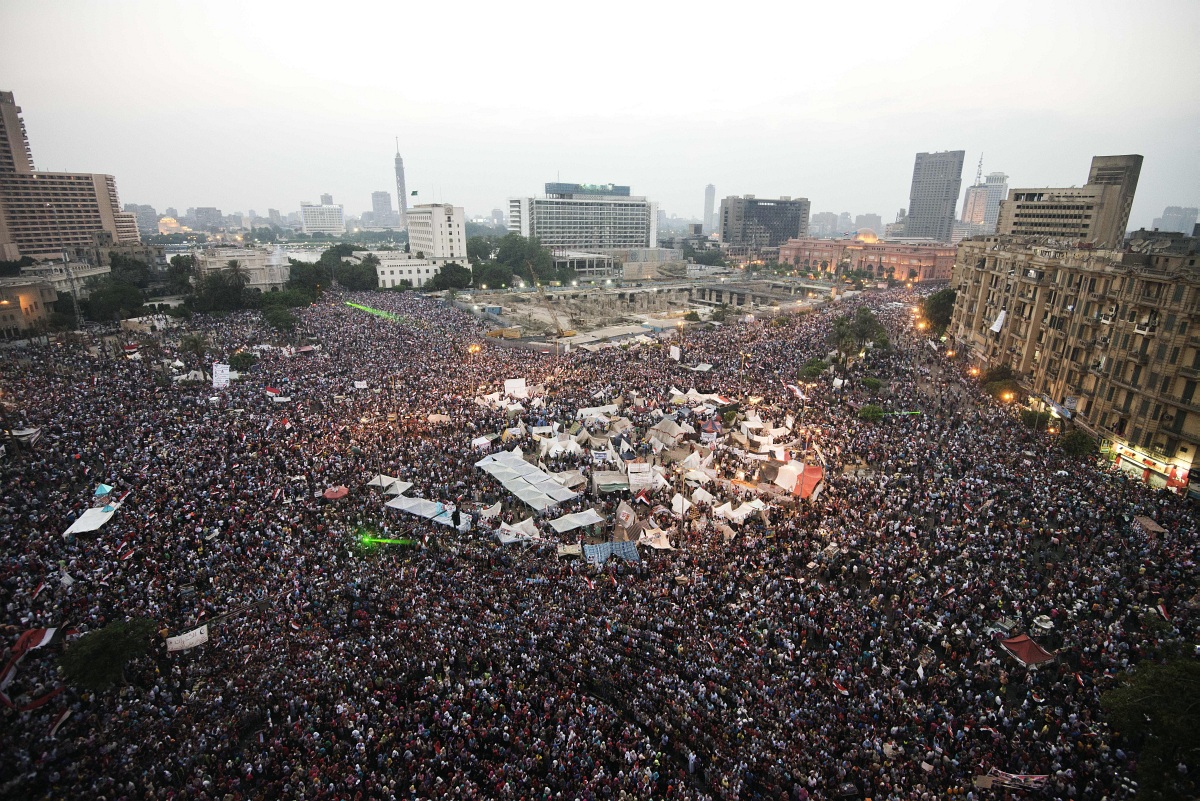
<point x="573" y="521"/>
<point x="680" y="505"/>
<point x="92" y="519"/>
<point x="491" y="511"/>
<point x="398" y="488"/>
<point x="420" y="507"/>
<point x="657" y="539"/>
<point x="516" y="388"/>
<point x="382" y="480"/>
<point x="788" y="474"/>
<point x="596" y="411"/>
<point x="702" y="495"/>
<point x="533" y="486"/>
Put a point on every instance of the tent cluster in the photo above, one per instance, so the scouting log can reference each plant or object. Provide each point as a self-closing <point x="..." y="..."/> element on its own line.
<point x="535" y="487"/>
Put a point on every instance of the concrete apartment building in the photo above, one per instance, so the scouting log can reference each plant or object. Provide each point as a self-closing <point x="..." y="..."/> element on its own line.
<point x="758" y="223"/>
<point x="710" y="204"/>
<point x="1110" y="338"/>
<point x="1177" y="218"/>
<point x="438" y="231"/>
<point x="586" y="217"/>
<point x="933" y="196"/>
<point x="44" y="213"/>
<point x="1096" y="213"/>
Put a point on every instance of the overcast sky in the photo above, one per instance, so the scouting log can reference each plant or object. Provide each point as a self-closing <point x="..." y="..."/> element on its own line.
<point x="255" y="105"/>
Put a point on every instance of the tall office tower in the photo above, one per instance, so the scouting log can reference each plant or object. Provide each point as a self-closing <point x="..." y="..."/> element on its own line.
<point x="710" y="202"/>
<point x="44" y="213"/>
<point x="997" y="189"/>
<point x="1096" y="212"/>
<point x="1177" y="218"/>
<point x="147" y="218"/>
<point x="326" y="200"/>
<point x="937" y="178"/>
<point x="763" y="223"/>
<point x="172" y="212"/>
<point x="845" y="223"/>
<point x="381" y="203"/>
<point x="586" y="217"/>
<point x="273" y="216"/>
<point x="823" y="223"/>
<point x="401" y="189"/>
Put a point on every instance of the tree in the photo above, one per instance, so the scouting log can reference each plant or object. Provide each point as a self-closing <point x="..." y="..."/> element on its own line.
<point x="492" y="275"/>
<point x="871" y="413"/>
<point x="523" y="255"/>
<point x="479" y="250"/>
<point x="1156" y="712"/>
<point x="193" y="344"/>
<point x="129" y="270"/>
<point x="451" y="276"/>
<point x="306" y="276"/>
<point x="223" y="290"/>
<point x="96" y="661"/>
<point x="814" y="367"/>
<point x="1078" y="443"/>
<point x="872" y="383"/>
<point x="692" y="316"/>
<point x="359" y="276"/>
<point x="242" y="361"/>
<point x="180" y="274"/>
<point x="114" y="300"/>
<point x="937" y="309"/>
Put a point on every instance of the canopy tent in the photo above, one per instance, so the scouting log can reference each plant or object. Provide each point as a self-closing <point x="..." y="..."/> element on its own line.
<point x="577" y="520"/>
<point x="596" y="411"/>
<point x="382" y="480"/>
<point x="809" y="482"/>
<point x="398" y="488"/>
<point x="666" y="431"/>
<point x="787" y="475"/>
<point x="1026" y="651"/>
<point x="657" y="539"/>
<point x="680" y="505"/>
<point x="600" y="553"/>
<point x="702" y="495"/>
<point x="524" y="531"/>
<point x="610" y="481"/>
<point x="335" y="493"/>
<point x="569" y="478"/>
<point x="532" y="485"/>
<point x="420" y="507"/>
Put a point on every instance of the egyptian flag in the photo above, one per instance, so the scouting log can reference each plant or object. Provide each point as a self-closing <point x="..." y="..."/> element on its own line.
<point x="37" y="638"/>
<point x="1162" y="610"/>
<point x="38" y="591"/>
<point x="837" y="686"/>
<point x="591" y="586"/>
<point x="271" y="391"/>
<point x="59" y="720"/>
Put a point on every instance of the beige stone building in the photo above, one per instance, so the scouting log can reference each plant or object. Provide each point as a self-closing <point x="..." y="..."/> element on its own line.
<point x="1094" y="213"/>
<point x="1109" y="337"/>
<point x="25" y="305"/>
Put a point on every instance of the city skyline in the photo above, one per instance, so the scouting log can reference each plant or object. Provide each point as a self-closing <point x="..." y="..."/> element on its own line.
<point x="302" y="126"/>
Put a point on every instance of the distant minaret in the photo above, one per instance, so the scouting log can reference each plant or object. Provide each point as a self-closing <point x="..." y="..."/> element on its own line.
<point x="401" y="192"/>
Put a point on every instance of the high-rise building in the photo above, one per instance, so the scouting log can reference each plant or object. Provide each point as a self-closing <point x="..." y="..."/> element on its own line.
<point x="710" y="202"/>
<point x="996" y="184"/>
<point x="401" y="189"/>
<point x="823" y="223"/>
<point x="872" y="221"/>
<point x="381" y="202"/>
<point x="326" y="200"/>
<point x="147" y="218"/>
<point x="438" y="231"/>
<point x="171" y="212"/>
<point x="44" y="213"/>
<point x="1104" y="337"/>
<point x="1177" y="218"/>
<point x="586" y="217"/>
<point x="274" y="218"/>
<point x="1096" y="212"/>
<point x="845" y="223"/>
<point x="208" y="217"/>
<point x="763" y="223"/>
<point x="325" y="218"/>
<point x="933" y="197"/>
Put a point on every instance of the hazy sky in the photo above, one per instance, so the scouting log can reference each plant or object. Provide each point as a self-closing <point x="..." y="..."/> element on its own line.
<point x="252" y="105"/>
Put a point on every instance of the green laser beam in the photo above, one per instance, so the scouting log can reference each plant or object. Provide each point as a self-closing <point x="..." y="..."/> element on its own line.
<point x="388" y="541"/>
<point x="387" y="315"/>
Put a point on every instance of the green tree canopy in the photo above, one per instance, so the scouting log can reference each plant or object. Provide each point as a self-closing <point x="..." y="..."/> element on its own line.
<point x="937" y="309"/>
<point x="492" y="275"/>
<point x="871" y="413"/>
<point x="1078" y="443"/>
<point x="359" y="276"/>
<point x="451" y="276"/>
<point x="521" y="255"/>
<point x="180" y="274"/>
<point x="129" y="270"/>
<point x="96" y="661"/>
<point x="279" y="318"/>
<point x="1156" y="712"/>
<point x="114" y="300"/>
<point x="307" y="277"/>
<point x="479" y="249"/>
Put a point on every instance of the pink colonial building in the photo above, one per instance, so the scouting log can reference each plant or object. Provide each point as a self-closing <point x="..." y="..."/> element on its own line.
<point x="882" y="259"/>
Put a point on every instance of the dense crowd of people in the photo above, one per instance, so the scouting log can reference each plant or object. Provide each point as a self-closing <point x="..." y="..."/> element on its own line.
<point x="840" y="645"/>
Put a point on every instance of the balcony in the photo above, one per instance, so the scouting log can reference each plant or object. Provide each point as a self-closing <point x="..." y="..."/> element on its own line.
<point x="1145" y="329"/>
<point x="1141" y="358"/>
<point x="1193" y="372"/>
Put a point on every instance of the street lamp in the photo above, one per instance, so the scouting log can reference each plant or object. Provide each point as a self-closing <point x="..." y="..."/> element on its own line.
<point x="1006" y="397"/>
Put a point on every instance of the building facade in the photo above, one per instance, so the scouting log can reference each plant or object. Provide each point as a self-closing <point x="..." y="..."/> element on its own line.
<point x="25" y="305"/>
<point x="996" y="184"/>
<point x="397" y="268"/>
<point x="1177" y="218"/>
<point x="43" y="214"/>
<point x="322" y="219"/>
<point x="1095" y="213"/>
<point x="438" y="231"/>
<point x="586" y="218"/>
<point x="710" y="205"/>
<point x="867" y="254"/>
<point x="265" y="269"/>
<point x="757" y="223"/>
<point x="933" y="197"/>
<point x="1110" y="337"/>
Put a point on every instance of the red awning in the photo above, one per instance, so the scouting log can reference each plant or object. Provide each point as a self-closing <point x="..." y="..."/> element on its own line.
<point x="1026" y="651"/>
<point x="809" y="479"/>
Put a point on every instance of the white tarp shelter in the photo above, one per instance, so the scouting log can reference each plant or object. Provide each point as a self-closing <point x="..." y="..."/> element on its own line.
<point x="577" y="520"/>
<point x="532" y="485"/>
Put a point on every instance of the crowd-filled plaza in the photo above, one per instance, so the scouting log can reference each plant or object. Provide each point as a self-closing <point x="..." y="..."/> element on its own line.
<point x="779" y="632"/>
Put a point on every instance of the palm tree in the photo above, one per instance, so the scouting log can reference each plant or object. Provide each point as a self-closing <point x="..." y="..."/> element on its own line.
<point x="237" y="273"/>
<point x="193" y="344"/>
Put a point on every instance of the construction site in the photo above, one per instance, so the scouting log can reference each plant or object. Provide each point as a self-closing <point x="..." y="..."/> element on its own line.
<point x="579" y="315"/>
